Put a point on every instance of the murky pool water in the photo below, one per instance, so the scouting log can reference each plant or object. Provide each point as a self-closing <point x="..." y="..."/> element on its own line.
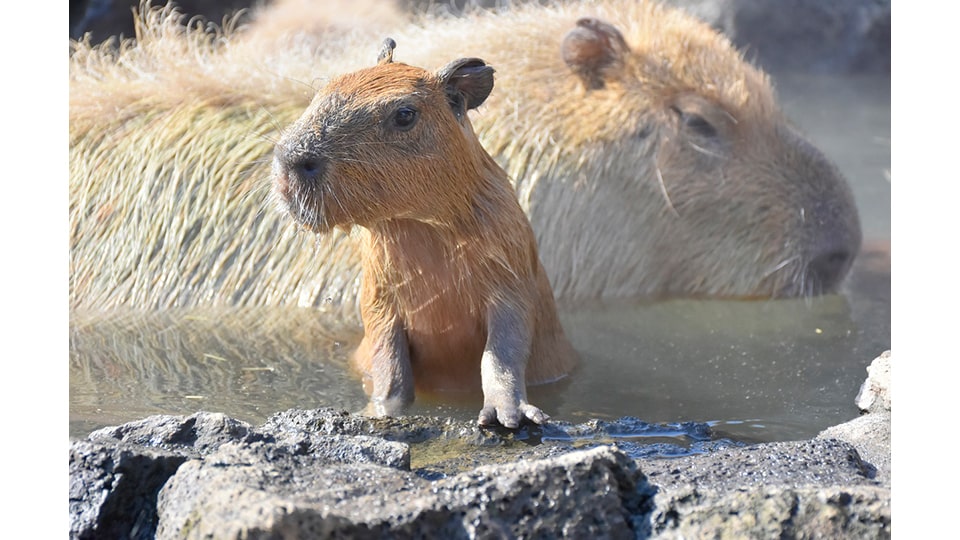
<point x="757" y="371"/>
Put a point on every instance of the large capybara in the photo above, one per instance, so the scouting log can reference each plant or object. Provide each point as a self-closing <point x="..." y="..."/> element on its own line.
<point x="651" y="159"/>
<point x="453" y="294"/>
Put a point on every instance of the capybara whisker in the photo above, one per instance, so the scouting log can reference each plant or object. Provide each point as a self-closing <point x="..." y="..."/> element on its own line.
<point x="781" y="265"/>
<point x="272" y="139"/>
<point x="704" y="151"/>
<point x="663" y="191"/>
<point x="277" y="125"/>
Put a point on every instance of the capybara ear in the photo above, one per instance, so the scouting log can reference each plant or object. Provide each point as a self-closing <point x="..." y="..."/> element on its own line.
<point x="386" y="51"/>
<point x="468" y="82"/>
<point x="594" y="50"/>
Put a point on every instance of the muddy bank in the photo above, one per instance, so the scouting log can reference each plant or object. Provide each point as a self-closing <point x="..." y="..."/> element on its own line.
<point x="326" y="473"/>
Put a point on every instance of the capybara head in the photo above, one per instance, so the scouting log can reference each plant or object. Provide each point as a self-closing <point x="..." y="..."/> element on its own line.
<point x="725" y="178"/>
<point x="706" y="187"/>
<point x="390" y="141"/>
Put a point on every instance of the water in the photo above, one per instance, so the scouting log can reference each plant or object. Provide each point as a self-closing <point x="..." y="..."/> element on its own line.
<point x="756" y="371"/>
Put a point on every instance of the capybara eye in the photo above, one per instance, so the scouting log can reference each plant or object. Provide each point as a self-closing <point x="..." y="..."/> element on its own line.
<point x="405" y="118"/>
<point x="698" y="124"/>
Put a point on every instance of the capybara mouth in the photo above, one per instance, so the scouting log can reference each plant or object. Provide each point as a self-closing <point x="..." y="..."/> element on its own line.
<point x="830" y="256"/>
<point x="822" y="274"/>
<point x="307" y="210"/>
<point x="825" y="273"/>
<point x="309" y="218"/>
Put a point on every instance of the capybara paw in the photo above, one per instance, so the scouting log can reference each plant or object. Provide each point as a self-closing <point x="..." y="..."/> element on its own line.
<point x="510" y="416"/>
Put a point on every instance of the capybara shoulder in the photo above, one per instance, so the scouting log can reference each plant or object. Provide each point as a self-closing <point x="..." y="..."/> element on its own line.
<point x="453" y="295"/>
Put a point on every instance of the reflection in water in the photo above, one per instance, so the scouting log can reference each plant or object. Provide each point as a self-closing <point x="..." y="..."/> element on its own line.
<point x="763" y="371"/>
<point x="757" y="371"/>
<point x="247" y="363"/>
<point x="768" y="370"/>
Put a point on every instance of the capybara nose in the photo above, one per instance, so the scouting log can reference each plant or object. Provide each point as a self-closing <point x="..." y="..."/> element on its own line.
<point x="827" y="269"/>
<point x="832" y="254"/>
<point x="307" y="169"/>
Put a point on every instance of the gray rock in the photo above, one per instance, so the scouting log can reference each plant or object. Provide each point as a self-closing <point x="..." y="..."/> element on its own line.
<point x="113" y="489"/>
<point x="774" y="512"/>
<point x="254" y="491"/>
<point x="116" y="473"/>
<point x="202" y="433"/>
<point x="321" y="473"/>
<point x="194" y="435"/>
<point x="446" y="447"/>
<point x="803" y="489"/>
<point x="410" y="429"/>
<point x="870" y="433"/>
<point x="874" y="395"/>
<point x="348" y="449"/>
<point x="819" y="462"/>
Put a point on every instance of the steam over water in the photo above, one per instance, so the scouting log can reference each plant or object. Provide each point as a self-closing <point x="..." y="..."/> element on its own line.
<point x="757" y="371"/>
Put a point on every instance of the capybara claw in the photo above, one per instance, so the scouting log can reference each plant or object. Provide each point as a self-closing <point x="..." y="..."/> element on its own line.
<point x="534" y="414"/>
<point x="491" y="416"/>
<point x="488" y="417"/>
<point x="511" y="417"/>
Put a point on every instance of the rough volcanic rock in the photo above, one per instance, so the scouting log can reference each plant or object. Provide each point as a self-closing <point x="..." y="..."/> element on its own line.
<point x="256" y="491"/>
<point x="870" y="433"/>
<point x="113" y="489"/>
<point x="859" y="511"/>
<point x="874" y="395"/>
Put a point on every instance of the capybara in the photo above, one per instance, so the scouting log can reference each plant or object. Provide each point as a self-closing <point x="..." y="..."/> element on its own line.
<point x="651" y="158"/>
<point x="453" y="294"/>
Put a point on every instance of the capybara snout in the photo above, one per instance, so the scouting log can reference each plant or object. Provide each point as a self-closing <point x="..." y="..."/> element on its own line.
<point x="303" y="168"/>
<point x="779" y="200"/>
<point x="818" y="209"/>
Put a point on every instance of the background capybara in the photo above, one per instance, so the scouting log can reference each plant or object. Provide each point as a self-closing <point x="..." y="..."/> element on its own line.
<point x="453" y="294"/>
<point x="651" y="159"/>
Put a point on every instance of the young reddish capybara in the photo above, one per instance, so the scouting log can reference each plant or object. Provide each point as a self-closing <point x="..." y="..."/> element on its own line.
<point x="453" y="295"/>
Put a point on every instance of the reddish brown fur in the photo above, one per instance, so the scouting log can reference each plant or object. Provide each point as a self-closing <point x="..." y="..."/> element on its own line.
<point x="447" y="252"/>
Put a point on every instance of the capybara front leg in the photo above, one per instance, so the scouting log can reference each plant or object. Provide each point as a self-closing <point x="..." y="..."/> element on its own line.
<point x="502" y="370"/>
<point x="390" y="372"/>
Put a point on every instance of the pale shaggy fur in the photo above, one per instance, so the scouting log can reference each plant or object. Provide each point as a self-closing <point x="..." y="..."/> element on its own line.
<point x="170" y="143"/>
